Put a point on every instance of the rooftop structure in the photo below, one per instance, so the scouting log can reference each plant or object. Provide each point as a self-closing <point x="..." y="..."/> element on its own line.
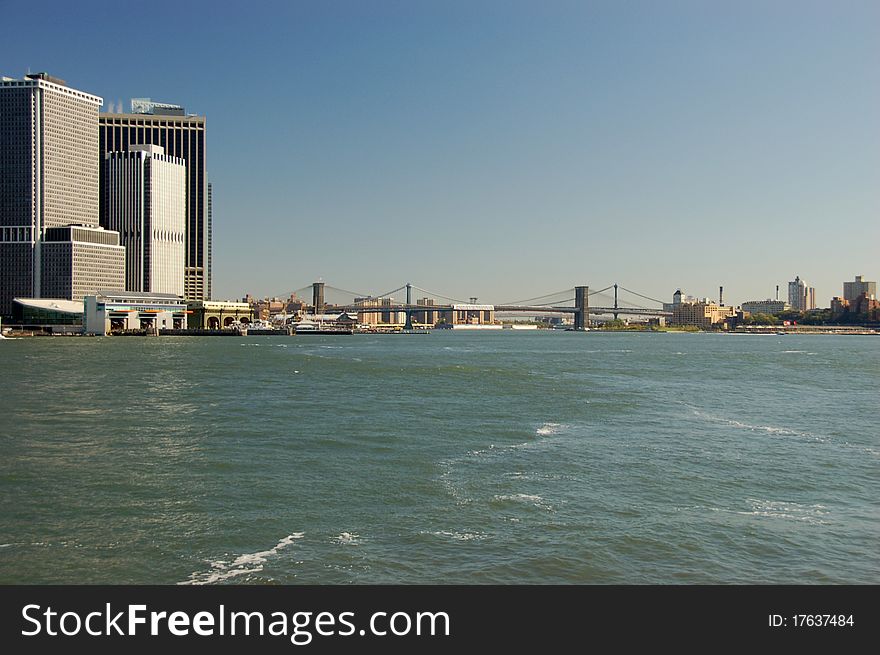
<point x="148" y="106"/>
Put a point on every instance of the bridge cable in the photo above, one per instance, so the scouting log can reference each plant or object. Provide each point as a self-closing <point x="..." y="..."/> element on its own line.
<point x="386" y="295"/>
<point x="546" y="295"/>
<point x="636" y="293"/>
<point x="438" y="295"/>
<point x="351" y="293"/>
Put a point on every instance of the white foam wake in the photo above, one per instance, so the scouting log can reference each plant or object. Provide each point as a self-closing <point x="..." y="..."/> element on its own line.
<point x="787" y="510"/>
<point x="529" y="499"/>
<point x="242" y="565"/>
<point x="548" y="429"/>
<point x="457" y="536"/>
<point x="770" y="429"/>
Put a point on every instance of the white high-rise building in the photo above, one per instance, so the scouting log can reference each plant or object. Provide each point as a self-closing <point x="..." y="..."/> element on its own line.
<point x="801" y="297"/>
<point x="181" y="135"/>
<point x="146" y="203"/>
<point x="49" y="175"/>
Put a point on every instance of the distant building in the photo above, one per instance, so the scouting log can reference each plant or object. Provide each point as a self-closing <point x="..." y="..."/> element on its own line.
<point x="800" y="296"/>
<point x="209" y="245"/>
<point x="427" y="317"/>
<point x="764" y="306"/>
<point x="860" y="309"/>
<point x="80" y="259"/>
<point x="145" y="199"/>
<point x="677" y="298"/>
<point x="554" y="321"/>
<point x="704" y="313"/>
<point x="852" y="290"/>
<point x="468" y="314"/>
<point x="382" y="317"/>
<point x="217" y="314"/>
<point x="50" y="170"/>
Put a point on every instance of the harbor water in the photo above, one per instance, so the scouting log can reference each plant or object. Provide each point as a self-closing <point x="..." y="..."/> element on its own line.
<point x="475" y="457"/>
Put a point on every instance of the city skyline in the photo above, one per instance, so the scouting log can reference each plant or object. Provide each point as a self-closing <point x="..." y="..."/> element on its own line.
<point x="504" y="150"/>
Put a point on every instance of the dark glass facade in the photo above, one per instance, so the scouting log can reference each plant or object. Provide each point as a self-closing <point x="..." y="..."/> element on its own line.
<point x="180" y="136"/>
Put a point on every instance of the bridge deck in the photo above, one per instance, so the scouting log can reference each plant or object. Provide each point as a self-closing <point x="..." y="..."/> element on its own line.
<point x="532" y="309"/>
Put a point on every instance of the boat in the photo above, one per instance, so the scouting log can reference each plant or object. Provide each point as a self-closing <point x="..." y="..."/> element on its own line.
<point x="309" y="327"/>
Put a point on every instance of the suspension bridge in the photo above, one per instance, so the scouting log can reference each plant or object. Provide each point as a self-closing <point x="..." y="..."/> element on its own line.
<point x="579" y="301"/>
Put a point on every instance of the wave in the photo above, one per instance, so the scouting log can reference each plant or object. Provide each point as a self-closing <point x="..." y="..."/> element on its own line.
<point x="777" y="509"/>
<point x="787" y="510"/>
<point x="529" y="499"/>
<point x="242" y="565"/>
<point x="347" y="539"/>
<point x="458" y="536"/>
<point x="770" y="429"/>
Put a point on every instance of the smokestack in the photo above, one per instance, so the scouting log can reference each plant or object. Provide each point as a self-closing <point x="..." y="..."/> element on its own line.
<point x="777" y="292"/>
<point x="721" y="296"/>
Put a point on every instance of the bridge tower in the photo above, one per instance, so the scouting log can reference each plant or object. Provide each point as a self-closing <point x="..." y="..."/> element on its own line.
<point x="615" y="301"/>
<point x="408" y="324"/>
<point x="582" y="304"/>
<point x="318" y="297"/>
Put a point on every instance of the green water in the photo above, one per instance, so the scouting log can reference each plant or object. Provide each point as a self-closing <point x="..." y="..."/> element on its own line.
<point x="442" y="458"/>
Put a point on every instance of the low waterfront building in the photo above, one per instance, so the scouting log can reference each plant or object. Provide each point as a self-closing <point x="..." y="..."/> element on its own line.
<point x="704" y="314"/>
<point x="764" y="306"/>
<point x="217" y="314"/>
<point x="120" y="311"/>
<point x="53" y="315"/>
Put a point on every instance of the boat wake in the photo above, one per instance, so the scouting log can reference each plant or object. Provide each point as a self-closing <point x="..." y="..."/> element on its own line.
<point x="787" y="510"/>
<point x="222" y="570"/>
<point x="769" y="429"/>
<point x="456" y="536"/>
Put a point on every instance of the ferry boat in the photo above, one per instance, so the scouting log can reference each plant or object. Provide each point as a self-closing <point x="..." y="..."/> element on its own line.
<point x="308" y="327"/>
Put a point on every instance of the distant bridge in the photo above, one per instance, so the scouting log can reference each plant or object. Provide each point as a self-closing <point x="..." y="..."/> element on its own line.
<point x="578" y="297"/>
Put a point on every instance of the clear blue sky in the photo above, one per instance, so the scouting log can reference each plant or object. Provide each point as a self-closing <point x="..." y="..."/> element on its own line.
<point x="506" y="149"/>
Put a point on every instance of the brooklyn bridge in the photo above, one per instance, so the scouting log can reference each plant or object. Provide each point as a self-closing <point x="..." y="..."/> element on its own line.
<point x="416" y="302"/>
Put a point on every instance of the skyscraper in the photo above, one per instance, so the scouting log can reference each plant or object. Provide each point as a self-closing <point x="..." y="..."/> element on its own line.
<point x="145" y="199"/>
<point x="49" y="174"/>
<point x="181" y="136"/>
<point x="209" y="275"/>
